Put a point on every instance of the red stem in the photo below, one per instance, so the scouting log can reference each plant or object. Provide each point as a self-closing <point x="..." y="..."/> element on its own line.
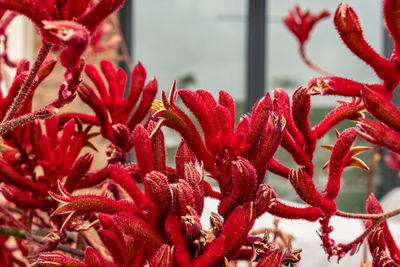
<point x="23" y="92"/>
<point x="309" y="63"/>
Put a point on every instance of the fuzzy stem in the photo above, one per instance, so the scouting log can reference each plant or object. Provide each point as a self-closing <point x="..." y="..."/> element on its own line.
<point x="43" y="113"/>
<point x="363" y="216"/>
<point x="23" y="92"/>
<point x="20" y="233"/>
<point x="309" y="63"/>
<point x="374" y="159"/>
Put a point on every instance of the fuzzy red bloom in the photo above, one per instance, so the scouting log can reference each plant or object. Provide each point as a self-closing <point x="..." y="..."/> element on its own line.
<point x="52" y="259"/>
<point x="110" y="106"/>
<point x="301" y="23"/>
<point x="340" y="157"/>
<point x="349" y="29"/>
<point x="381" y="108"/>
<point x="66" y="24"/>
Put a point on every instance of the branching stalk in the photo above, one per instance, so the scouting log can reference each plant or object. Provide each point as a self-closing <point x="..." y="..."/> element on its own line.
<point x="23" y="92"/>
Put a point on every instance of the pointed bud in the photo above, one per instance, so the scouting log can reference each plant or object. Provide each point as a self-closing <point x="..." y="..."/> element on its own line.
<point x="93" y="258"/>
<point x="305" y="188"/>
<point x="265" y="199"/>
<point x="46" y="68"/>
<point x="243" y="187"/>
<point x="176" y="119"/>
<point x="339" y="86"/>
<point x="194" y="178"/>
<point x="122" y="177"/>
<point x="379" y="134"/>
<point x="338" y="161"/>
<point x="283" y="108"/>
<point x="372" y="207"/>
<point x="95" y="77"/>
<point x="183" y="156"/>
<point x="381" y="108"/>
<point x="143" y="149"/>
<point x="272" y="258"/>
<point x="210" y="103"/>
<point x="213" y="252"/>
<point x="225" y="123"/>
<point x="191" y="224"/>
<point x="138" y="78"/>
<point x="148" y="95"/>
<point x="349" y="29"/>
<point x="259" y="117"/>
<point x="122" y="137"/>
<point x="174" y="230"/>
<point x="79" y="169"/>
<point x="157" y="190"/>
<point x="10" y="176"/>
<point x="115" y="246"/>
<point x="269" y="142"/>
<point x="24" y="199"/>
<point x="195" y="104"/>
<point x="301" y="23"/>
<point x="158" y="147"/>
<point x="164" y="257"/>
<point x="88" y="96"/>
<point x="55" y="259"/>
<point x="98" y="12"/>
<point x="182" y="196"/>
<point x="300" y="111"/>
<point x="141" y="231"/>
<point x="234" y="227"/>
<point x="226" y="100"/>
<point x="76" y="206"/>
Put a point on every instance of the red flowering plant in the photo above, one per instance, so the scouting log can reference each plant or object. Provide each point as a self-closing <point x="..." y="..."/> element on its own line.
<point x="146" y="213"/>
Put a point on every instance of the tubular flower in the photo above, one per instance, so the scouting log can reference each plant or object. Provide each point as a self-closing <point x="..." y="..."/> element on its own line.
<point x="67" y="24"/>
<point x="54" y="259"/>
<point x="109" y="104"/>
<point x="225" y="153"/>
<point x="349" y="29"/>
<point x="379" y="134"/>
<point x="301" y="23"/>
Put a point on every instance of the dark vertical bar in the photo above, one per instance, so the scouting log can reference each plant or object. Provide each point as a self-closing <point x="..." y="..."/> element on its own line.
<point x="126" y="22"/>
<point x="389" y="177"/>
<point x="256" y="52"/>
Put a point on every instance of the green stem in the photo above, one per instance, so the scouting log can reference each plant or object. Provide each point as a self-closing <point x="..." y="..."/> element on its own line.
<point x="20" y="233"/>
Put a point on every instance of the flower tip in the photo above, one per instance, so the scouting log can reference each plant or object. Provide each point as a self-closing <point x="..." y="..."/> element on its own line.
<point x="172" y="93"/>
<point x="152" y="85"/>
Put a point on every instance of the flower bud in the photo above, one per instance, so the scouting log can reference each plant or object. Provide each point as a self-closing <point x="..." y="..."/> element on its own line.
<point x="164" y="257"/>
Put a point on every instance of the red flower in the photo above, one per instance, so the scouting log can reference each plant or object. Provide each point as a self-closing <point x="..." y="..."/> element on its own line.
<point x="110" y="106"/>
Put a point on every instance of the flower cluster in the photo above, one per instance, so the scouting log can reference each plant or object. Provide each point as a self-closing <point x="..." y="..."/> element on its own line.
<point x="146" y="213"/>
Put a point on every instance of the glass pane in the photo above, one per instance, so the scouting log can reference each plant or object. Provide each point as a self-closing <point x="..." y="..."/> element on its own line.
<point x="200" y="41"/>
